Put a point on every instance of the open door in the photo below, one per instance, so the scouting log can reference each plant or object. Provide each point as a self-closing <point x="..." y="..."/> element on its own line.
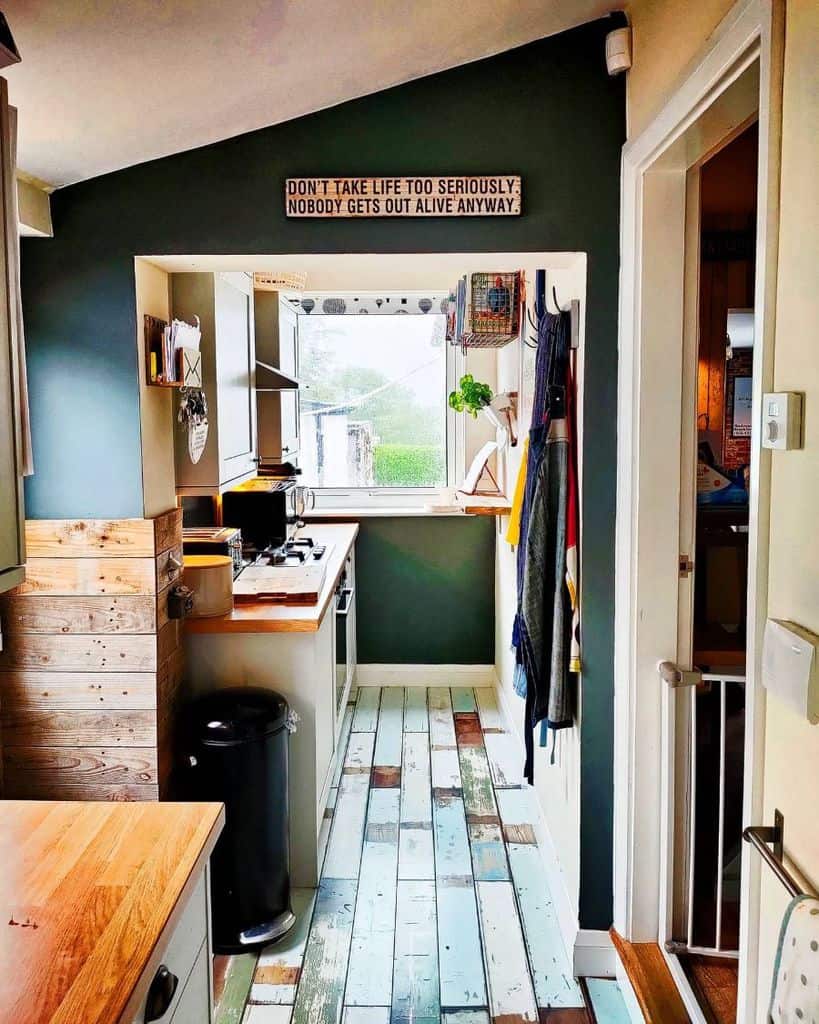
<point x="706" y="700"/>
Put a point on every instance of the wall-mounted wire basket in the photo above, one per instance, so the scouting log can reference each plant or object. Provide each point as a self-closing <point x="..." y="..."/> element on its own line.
<point x="284" y="281"/>
<point x="492" y="318"/>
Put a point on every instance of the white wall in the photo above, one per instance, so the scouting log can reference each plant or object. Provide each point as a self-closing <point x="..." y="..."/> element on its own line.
<point x="557" y="785"/>
<point x="157" y="406"/>
<point x="791" y="765"/>
<point x="792" y="745"/>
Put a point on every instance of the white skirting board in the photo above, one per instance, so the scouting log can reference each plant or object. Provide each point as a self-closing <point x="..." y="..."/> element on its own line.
<point x="590" y="952"/>
<point x="425" y="675"/>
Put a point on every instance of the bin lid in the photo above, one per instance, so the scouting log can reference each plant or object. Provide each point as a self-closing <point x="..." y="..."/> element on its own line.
<point x="237" y="715"/>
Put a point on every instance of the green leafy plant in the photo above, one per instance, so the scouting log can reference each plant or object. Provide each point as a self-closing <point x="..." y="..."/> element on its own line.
<point x="471" y="396"/>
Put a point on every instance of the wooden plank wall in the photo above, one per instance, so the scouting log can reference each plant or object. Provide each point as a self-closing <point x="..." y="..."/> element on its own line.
<point x="91" y="666"/>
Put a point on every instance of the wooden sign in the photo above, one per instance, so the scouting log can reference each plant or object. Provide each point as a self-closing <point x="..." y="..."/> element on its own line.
<point x="491" y="195"/>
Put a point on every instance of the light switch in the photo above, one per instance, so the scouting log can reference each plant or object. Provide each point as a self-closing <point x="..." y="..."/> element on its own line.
<point x="789" y="666"/>
<point x="782" y="420"/>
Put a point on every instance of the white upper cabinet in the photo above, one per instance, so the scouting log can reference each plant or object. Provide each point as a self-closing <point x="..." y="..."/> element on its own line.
<point x="224" y="304"/>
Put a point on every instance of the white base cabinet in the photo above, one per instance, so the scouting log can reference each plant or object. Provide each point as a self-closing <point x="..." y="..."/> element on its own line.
<point x="301" y="667"/>
<point x="186" y="952"/>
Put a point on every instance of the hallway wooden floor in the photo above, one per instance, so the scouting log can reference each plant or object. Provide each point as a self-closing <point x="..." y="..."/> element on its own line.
<point x="433" y="904"/>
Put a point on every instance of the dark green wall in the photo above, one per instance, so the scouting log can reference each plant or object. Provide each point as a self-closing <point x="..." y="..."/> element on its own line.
<point x="425" y="591"/>
<point x="547" y="111"/>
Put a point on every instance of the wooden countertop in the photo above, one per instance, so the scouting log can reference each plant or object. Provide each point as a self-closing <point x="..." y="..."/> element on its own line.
<point x="267" y="617"/>
<point x="87" y="890"/>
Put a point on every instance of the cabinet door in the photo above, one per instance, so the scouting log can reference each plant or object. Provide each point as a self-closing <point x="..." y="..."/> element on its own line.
<point x="288" y="338"/>
<point x="194" y="1007"/>
<point x="12" y="550"/>
<point x="290" y="423"/>
<point x="236" y="370"/>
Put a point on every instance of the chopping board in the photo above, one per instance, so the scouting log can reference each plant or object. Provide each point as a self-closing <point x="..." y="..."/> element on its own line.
<point x="281" y="584"/>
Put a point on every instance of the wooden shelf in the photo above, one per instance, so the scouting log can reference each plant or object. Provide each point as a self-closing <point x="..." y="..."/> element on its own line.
<point x="154" y="346"/>
<point x="485" y="504"/>
<point x="270" y="378"/>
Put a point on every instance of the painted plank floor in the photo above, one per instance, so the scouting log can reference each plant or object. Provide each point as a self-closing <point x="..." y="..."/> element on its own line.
<point x="432" y="904"/>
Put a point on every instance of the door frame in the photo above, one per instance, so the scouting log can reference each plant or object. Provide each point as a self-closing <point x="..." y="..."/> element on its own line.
<point x="652" y="307"/>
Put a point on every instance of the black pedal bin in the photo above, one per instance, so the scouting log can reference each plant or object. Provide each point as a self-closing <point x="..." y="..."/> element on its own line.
<point x="237" y="743"/>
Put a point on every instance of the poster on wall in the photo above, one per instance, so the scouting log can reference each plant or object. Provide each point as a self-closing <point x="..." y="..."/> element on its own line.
<point x="743" y="403"/>
<point x="488" y="195"/>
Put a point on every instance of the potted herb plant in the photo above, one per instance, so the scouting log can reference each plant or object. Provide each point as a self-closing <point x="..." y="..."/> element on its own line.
<point x="473" y="397"/>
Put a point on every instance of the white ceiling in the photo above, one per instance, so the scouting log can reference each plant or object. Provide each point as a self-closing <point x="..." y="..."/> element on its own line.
<point x="105" y="84"/>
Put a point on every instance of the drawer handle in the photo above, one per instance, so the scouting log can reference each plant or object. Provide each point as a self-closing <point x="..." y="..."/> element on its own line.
<point x="160" y="994"/>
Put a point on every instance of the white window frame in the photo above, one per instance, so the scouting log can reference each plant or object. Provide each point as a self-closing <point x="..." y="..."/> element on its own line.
<point x="346" y="498"/>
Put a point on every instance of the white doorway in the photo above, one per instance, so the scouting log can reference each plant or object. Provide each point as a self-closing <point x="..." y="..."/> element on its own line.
<point x="736" y="81"/>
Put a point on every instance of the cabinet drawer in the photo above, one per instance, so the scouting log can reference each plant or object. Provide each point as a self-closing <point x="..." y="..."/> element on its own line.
<point x="181" y="950"/>
<point x="194" y="1006"/>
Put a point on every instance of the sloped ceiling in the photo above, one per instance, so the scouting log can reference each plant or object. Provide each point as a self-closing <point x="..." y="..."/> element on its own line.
<point x="105" y="84"/>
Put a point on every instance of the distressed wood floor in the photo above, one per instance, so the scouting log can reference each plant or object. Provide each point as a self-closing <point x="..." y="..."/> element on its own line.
<point x="433" y="905"/>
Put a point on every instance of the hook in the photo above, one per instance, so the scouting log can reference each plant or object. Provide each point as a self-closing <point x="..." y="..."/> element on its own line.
<point x="554" y="296"/>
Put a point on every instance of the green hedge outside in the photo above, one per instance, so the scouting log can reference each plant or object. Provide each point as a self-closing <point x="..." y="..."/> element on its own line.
<point x="409" y="465"/>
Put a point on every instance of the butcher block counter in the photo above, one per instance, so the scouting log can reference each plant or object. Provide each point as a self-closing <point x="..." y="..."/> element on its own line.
<point x="269" y="617"/>
<point x="96" y="897"/>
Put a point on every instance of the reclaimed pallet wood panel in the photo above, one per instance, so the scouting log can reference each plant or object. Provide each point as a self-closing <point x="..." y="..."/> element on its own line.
<point x="459" y="943"/>
<point x="321" y="989"/>
<point x="359" y="755"/>
<point x="446" y="771"/>
<point x="40" y="613"/>
<point x="466" y="1017"/>
<point x="167" y="530"/>
<point x="366" y="1015"/>
<point x="452" y="856"/>
<point x="78" y="652"/>
<point x="416" y="859"/>
<point x="238" y="977"/>
<point x="551" y="970"/>
<point x="70" y="577"/>
<point x="72" y="765"/>
<point x="365" y="718"/>
<point x="415" y="988"/>
<point x="369" y="978"/>
<point x="168" y="567"/>
<point x="343" y="855"/>
<point x="462" y="980"/>
<point x="463" y="698"/>
<point x="519" y="814"/>
<point x="476" y="779"/>
<point x="441" y="722"/>
<point x="90" y="538"/>
<point x="415" y="709"/>
<point x="268" y="1014"/>
<point x="511" y="995"/>
<point x="32" y="727"/>
<point x="488" y="853"/>
<point x="32" y="789"/>
<point x="488" y="708"/>
<point x="607" y="1001"/>
<point x="278" y="968"/>
<point x="505" y="760"/>
<point x="77" y="691"/>
<point x="468" y="732"/>
<point x="343" y="738"/>
<point x="389" y="741"/>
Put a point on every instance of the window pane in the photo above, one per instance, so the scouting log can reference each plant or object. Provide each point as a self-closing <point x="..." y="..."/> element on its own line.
<point x="373" y="408"/>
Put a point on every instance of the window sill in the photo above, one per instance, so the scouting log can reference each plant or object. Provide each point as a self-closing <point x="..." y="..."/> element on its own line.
<point x="472" y="505"/>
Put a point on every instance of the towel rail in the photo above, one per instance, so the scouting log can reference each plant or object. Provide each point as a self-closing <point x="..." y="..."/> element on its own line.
<point x="762" y="837"/>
